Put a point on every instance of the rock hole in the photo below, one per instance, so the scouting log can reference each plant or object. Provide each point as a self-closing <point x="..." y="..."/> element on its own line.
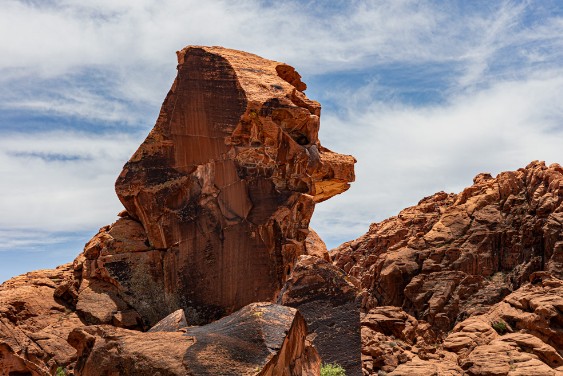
<point x="300" y="138"/>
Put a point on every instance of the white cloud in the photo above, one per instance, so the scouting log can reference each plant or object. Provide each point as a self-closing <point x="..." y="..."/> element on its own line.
<point x="405" y="153"/>
<point x="60" y="181"/>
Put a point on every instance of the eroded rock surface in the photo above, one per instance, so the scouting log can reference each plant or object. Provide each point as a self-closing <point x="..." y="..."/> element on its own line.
<point x="521" y="335"/>
<point x="262" y="339"/>
<point x="474" y="259"/>
<point x="218" y="201"/>
<point x="36" y="316"/>
<point x="223" y="188"/>
<point x="455" y="255"/>
<point x="329" y="302"/>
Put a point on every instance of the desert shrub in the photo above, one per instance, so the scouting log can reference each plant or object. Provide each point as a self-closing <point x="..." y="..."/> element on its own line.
<point x="332" y="370"/>
<point x="500" y="327"/>
<point x="60" y="372"/>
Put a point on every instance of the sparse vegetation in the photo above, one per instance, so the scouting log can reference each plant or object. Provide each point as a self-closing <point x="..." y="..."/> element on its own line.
<point x="332" y="370"/>
<point x="60" y="371"/>
<point x="500" y="327"/>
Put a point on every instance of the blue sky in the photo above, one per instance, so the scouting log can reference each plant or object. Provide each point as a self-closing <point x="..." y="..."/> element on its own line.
<point x="425" y="94"/>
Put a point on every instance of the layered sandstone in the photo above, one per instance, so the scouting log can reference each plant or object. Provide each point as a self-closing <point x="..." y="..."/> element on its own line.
<point x="35" y="320"/>
<point x="453" y="257"/>
<point x="223" y="188"/>
<point x="521" y="335"/>
<point x="262" y="339"/>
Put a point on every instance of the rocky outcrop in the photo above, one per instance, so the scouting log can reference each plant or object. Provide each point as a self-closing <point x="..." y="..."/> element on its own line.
<point x="391" y="337"/>
<point x="463" y="259"/>
<point x="329" y="302"/>
<point x="223" y="188"/>
<point x="521" y="335"/>
<point x="35" y="320"/>
<point x="454" y="255"/>
<point x="261" y="339"/>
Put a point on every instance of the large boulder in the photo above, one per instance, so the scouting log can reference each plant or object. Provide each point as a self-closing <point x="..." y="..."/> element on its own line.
<point x="219" y="196"/>
<point x="261" y="339"/>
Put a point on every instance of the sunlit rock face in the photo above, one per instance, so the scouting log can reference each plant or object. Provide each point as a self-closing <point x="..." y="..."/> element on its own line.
<point x="220" y="194"/>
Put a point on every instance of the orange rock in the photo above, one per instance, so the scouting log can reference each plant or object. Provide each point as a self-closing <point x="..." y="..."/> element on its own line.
<point x="220" y="194"/>
<point x="261" y="339"/>
<point x="455" y="255"/>
<point x="34" y="323"/>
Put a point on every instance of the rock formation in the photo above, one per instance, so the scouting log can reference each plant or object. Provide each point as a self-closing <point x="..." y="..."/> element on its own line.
<point x="262" y="339"/>
<point x="521" y="335"/>
<point x="35" y="321"/>
<point x="329" y="302"/>
<point x="451" y="258"/>
<point x="223" y="187"/>
<point x="212" y="269"/>
<point x="218" y="200"/>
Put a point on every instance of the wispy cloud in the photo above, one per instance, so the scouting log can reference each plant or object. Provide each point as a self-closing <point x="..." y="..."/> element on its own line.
<point x="405" y="153"/>
<point x="60" y="181"/>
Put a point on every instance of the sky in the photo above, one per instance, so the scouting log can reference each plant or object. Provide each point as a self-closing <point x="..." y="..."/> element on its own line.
<point x="425" y="95"/>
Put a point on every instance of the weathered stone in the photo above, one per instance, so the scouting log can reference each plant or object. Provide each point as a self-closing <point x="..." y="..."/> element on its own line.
<point x="390" y="337"/>
<point x="315" y="246"/>
<point x="520" y="335"/>
<point x="261" y="339"/>
<point x="329" y="303"/>
<point x="455" y="255"/>
<point x="171" y="323"/>
<point x="34" y="323"/>
<point x="223" y="188"/>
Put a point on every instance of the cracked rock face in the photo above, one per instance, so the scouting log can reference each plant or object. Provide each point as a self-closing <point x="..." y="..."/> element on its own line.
<point x="262" y="339"/>
<point x="219" y="196"/>
<point x="455" y="255"/>
<point x="468" y="283"/>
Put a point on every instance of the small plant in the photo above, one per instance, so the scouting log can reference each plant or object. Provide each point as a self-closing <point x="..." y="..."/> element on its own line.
<point x="60" y="371"/>
<point x="500" y="327"/>
<point x="332" y="370"/>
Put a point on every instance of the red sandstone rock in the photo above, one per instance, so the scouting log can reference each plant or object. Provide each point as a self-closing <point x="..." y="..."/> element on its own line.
<point x="315" y="246"/>
<point x="174" y="322"/>
<point x="521" y="335"/>
<point x="218" y="201"/>
<point x="453" y="256"/>
<point x="328" y="301"/>
<point x="391" y="337"/>
<point x="222" y="189"/>
<point x="261" y="339"/>
<point x="34" y="323"/>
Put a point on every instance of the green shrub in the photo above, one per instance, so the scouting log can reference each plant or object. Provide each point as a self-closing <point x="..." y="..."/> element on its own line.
<point x="332" y="370"/>
<point x="500" y="327"/>
<point x="60" y="372"/>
